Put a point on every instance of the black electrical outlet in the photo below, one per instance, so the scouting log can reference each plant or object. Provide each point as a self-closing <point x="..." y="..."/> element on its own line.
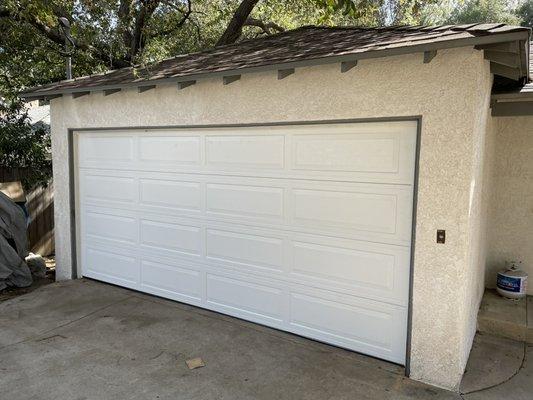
<point x="441" y="236"/>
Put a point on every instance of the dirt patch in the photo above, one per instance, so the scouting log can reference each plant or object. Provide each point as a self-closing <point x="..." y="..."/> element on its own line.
<point x="10" y="293"/>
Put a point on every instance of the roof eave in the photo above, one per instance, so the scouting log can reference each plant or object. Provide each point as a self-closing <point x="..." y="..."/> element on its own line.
<point x="522" y="35"/>
<point x="521" y="106"/>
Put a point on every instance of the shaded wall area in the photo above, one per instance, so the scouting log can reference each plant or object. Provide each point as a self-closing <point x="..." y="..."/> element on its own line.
<point x="40" y="205"/>
<point x="511" y="203"/>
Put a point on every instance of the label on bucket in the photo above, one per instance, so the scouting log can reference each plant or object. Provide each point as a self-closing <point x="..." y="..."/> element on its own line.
<point x="509" y="283"/>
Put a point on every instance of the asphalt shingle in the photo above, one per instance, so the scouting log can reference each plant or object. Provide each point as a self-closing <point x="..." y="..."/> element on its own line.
<point x="295" y="46"/>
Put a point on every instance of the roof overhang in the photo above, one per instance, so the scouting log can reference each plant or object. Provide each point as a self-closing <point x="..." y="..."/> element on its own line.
<point x="519" y="102"/>
<point x="508" y="59"/>
<point x="514" y="43"/>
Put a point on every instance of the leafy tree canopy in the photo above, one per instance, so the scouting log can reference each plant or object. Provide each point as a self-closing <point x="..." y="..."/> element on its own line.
<point x="24" y="145"/>
<point x="111" y="34"/>
<point x="477" y="11"/>
<point x="525" y="13"/>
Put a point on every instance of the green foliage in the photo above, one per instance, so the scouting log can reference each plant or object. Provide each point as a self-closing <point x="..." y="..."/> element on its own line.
<point x="22" y="145"/>
<point x="483" y="11"/>
<point x="111" y="34"/>
<point x="525" y="13"/>
<point x="32" y="50"/>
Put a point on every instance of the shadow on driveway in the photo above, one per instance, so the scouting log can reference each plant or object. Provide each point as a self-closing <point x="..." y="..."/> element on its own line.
<point x="88" y="340"/>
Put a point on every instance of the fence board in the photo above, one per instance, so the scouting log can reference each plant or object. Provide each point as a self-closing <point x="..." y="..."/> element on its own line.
<point x="40" y="205"/>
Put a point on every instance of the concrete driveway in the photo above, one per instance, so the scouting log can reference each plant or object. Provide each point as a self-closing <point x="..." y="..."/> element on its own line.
<point x="88" y="340"/>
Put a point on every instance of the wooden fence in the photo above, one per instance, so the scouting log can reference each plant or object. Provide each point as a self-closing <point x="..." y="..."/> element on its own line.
<point x="40" y="205"/>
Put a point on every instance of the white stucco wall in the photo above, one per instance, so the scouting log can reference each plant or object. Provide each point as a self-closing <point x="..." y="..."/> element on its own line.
<point x="511" y="203"/>
<point x="480" y="187"/>
<point x="448" y="93"/>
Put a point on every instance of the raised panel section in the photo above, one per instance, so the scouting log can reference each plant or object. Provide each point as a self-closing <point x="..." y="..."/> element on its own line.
<point x="347" y="153"/>
<point x="171" y="280"/>
<point x="257" y="251"/>
<point x="109" y="188"/>
<point x="360" y="210"/>
<point x="114" y="227"/>
<point x="114" y="268"/>
<point x="246" y="151"/>
<point x="371" y="270"/>
<point x="106" y="148"/>
<point x="174" y="237"/>
<point x="373" y="328"/>
<point x="171" y="194"/>
<point x="241" y="200"/>
<point x="245" y="299"/>
<point x="170" y="149"/>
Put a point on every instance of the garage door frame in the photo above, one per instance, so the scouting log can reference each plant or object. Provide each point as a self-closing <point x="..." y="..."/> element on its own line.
<point x="73" y="187"/>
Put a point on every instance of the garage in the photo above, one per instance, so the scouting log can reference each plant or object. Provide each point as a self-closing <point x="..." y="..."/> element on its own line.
<point x="334" y="183"/>
<point x="304" y="228"/>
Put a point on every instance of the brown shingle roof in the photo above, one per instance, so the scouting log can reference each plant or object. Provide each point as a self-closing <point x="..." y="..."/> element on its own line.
<point x="308" y="45"/>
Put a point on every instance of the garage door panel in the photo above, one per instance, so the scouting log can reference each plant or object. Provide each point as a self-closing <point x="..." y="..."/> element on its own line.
<point x="246" y="299"/>
<point x="121" y="269"/>
<point x="171" y="150"/>
<point x="245" y="151"/>
<point x="174" y="237"/>
<point x="165" y="279"/>
<point x="364" y="155"/>
<point x="369" y="270"/>
<point x="379" y="214"/>
<point x="253" y="251"/>
<point x="362" y="211"/>
<point x="108" y="188"/>
<point x="108" y="226"/>
<point x="372" y="328"/>
<point x="302" y="228"/>
<point x="352" y="153"/>
<point x="107" y="149"/>
<point x="241" y="200"/>
<point x="184" y="195"/>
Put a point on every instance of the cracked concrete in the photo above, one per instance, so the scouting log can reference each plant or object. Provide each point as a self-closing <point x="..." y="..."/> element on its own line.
<point x="88" y="340"/>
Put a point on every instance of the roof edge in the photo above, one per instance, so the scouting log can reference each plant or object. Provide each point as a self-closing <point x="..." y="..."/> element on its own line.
<point x="33" y="94"/>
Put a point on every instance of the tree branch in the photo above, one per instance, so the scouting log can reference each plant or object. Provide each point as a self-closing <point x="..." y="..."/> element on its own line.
<point x="124" y="18"/>
<point x="234" y="29"/>
<point x="185" y="16"/>
<point x="55" y="36"/>
<point x="267" y="27"/>
<point x="138" y="38"/>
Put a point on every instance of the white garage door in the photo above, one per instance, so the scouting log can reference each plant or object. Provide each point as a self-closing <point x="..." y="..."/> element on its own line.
<point x="303" y="228"/>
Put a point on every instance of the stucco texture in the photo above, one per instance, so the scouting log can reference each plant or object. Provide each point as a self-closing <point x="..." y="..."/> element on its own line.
<point x="511" y="203"/>
<point x="448" y="93"/>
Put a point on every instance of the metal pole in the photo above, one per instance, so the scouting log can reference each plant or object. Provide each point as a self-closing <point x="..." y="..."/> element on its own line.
<point x="69" y="60"/>
<point x="65" y="26"/>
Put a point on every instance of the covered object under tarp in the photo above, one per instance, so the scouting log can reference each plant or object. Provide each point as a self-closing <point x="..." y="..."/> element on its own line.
<point x="13" y="245"/>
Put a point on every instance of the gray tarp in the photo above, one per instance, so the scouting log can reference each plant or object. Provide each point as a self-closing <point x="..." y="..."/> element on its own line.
<point x="13" y="245"/>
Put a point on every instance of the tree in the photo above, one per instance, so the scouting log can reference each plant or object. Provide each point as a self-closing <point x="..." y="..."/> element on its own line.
<point x="240" y="17"/>
<point x="111" y="34"/>
<point x="483" y="11"/>
<point x="525" y="13"/>
<point x="23" y="145"/>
